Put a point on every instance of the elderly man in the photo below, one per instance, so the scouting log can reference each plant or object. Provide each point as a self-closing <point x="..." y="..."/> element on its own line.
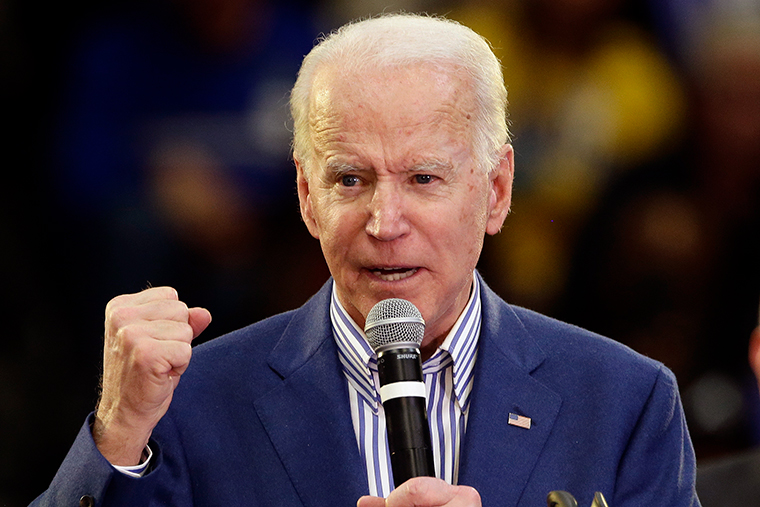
<point x="403" y="165"/>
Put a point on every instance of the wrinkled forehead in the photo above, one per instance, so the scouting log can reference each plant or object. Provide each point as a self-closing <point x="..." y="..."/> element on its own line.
<point x="391" y="98"/>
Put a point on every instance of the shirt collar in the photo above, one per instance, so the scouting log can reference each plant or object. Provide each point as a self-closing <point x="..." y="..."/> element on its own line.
<point x="359" y="361"/>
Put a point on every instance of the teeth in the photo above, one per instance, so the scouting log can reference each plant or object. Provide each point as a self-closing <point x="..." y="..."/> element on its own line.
<point x="395" y="276"/>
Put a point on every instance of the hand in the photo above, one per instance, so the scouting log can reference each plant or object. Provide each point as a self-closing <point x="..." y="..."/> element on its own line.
<point x="425" y="492"/>
<point x="147" y="349"/>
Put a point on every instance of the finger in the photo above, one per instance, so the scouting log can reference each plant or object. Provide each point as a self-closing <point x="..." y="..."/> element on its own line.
<point x="179" y="360"/>
<point x="432" y="492"/>
<point x="139" y="334"/>
<point x="168" y="358"/>
<point x="199" y="319"/>
<point x="421" y="491"/>
<point x="162" y="309"/>
<point x="165" y="330"/>
<point x="124" y="310"/>
<point x="466" y="495"/>
<point x="370" y="501"/>
<point x="145" y="296"/>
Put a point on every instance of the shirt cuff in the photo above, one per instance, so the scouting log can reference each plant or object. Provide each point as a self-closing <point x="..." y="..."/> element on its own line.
<point x="137" y="471"/>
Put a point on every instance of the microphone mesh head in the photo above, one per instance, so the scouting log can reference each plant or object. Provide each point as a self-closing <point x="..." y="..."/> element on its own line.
<point x="394" y="320"/>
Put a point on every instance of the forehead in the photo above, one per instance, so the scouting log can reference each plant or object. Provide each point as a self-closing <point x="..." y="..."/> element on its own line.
<point x="400" y="105"/>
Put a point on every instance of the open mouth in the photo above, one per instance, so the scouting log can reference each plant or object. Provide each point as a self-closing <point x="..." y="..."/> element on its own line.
<point x="393" y="274"/>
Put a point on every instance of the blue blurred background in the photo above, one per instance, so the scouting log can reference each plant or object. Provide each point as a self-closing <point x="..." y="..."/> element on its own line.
<point x="147" y="143"/>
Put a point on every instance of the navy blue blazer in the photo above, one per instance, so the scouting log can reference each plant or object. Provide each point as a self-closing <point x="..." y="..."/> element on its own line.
<point x="261" y="418"/>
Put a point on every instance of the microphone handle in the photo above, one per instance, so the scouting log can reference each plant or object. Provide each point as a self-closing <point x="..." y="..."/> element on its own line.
<point x="400" y="373"/>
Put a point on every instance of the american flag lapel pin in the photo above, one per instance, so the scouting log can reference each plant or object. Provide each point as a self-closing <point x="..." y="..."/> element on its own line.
<point x="519" y="421"/>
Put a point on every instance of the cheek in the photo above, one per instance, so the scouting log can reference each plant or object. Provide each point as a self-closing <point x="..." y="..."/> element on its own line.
<point x="468" y="239"/>
<point x="323" y="209"/>
<point x="474" y="215"/>
<point x="337" y="226"/>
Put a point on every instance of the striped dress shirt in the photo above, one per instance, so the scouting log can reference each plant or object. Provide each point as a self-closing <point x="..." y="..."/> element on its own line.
<point x="448" y="377"/>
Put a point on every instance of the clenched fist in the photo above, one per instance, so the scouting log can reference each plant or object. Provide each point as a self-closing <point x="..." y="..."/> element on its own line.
<point x="147" y="349"/>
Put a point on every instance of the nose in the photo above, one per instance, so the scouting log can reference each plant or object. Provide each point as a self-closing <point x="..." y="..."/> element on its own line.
<point x="387" y="220"/>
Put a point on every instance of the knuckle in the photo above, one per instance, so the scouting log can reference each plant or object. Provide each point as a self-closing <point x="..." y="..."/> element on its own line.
<point x="181" y="310"/>
<point x="141" y="356"/>
<point x="416" y="488"/>
<point x="131" y="344"/>
<point x="186" y="352"/>
<point x="119" y="316"/>
<point x="118" y="300"/>
<point x="470" y="495"/>
<point x="187" y="333"/>
<point x="171" y="309"/>
<point x="178" y="357"/>
<point x="127" y="335"/>
<point x="169" y="292"/>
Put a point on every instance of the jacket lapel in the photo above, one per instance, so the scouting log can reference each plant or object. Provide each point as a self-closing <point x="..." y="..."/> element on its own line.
<point x="308" y="417"/>
<point x="498" y="458"/>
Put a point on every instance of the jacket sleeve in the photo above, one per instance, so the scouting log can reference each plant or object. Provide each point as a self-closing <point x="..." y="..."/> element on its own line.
<point x="658" y="466"/>
<point x="86" y="478"/>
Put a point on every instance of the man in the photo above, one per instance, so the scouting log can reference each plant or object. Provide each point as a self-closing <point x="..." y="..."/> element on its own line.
<point x="403" y="165"/>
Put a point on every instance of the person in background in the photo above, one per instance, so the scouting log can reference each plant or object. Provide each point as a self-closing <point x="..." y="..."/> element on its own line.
<point x="734" y="481"/>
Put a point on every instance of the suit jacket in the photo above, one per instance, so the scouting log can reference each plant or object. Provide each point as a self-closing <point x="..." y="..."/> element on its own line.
<point x="261" y="418"/>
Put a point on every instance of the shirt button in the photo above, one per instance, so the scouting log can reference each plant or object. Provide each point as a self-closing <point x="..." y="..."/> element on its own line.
<point x="86" y="501"/>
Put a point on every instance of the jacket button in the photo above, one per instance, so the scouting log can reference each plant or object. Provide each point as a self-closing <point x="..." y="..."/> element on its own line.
<point x="86" y="501"/>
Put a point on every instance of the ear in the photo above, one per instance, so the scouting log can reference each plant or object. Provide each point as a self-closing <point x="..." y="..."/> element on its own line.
<point x="500" y="197"/>
<point x="754" y="352"/>
<point x="304" y="199"/>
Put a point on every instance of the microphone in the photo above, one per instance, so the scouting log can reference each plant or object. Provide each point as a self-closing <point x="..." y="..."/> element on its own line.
<point x="394" y="329"/>
<point x="564" y="499"/>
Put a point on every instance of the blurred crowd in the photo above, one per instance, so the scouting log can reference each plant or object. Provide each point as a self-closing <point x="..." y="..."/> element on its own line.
<point x="148" y="144"/>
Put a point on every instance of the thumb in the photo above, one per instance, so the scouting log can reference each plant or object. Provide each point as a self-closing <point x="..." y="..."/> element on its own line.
<point x="370" y="501"/>
<point x="199" y="319"/>
<point x="432" y="492"/>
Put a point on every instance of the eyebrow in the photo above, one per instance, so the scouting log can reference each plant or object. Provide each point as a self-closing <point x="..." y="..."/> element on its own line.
<point x="338" y="168"/>
<point x="432" y="166"/>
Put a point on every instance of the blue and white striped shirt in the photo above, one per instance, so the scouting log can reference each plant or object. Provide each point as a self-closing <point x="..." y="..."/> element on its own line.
<point x="448" y="377"/>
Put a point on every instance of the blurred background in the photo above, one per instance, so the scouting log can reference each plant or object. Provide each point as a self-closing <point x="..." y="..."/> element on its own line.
<point x="147" y="143"/>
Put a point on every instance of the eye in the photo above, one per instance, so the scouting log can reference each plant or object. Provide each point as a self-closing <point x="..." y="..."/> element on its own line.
<point x="423" y="179"/>
<point x="349" y="180"/>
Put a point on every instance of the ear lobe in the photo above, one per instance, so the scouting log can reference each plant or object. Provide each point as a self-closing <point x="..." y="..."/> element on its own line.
<point x="304" y="199"/>
<point x="500" y="197"/>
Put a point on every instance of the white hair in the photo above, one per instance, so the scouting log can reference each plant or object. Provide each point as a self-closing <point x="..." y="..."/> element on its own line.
<point x="404" y="40"/>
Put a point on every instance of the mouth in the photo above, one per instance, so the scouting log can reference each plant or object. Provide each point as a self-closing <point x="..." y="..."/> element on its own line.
<point x="393" y="274"/>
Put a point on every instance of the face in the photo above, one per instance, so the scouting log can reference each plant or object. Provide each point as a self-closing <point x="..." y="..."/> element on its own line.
<point x="394" y="194"/>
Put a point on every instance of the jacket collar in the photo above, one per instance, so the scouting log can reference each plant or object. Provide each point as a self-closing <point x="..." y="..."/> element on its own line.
<point x="309" y="421"/>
